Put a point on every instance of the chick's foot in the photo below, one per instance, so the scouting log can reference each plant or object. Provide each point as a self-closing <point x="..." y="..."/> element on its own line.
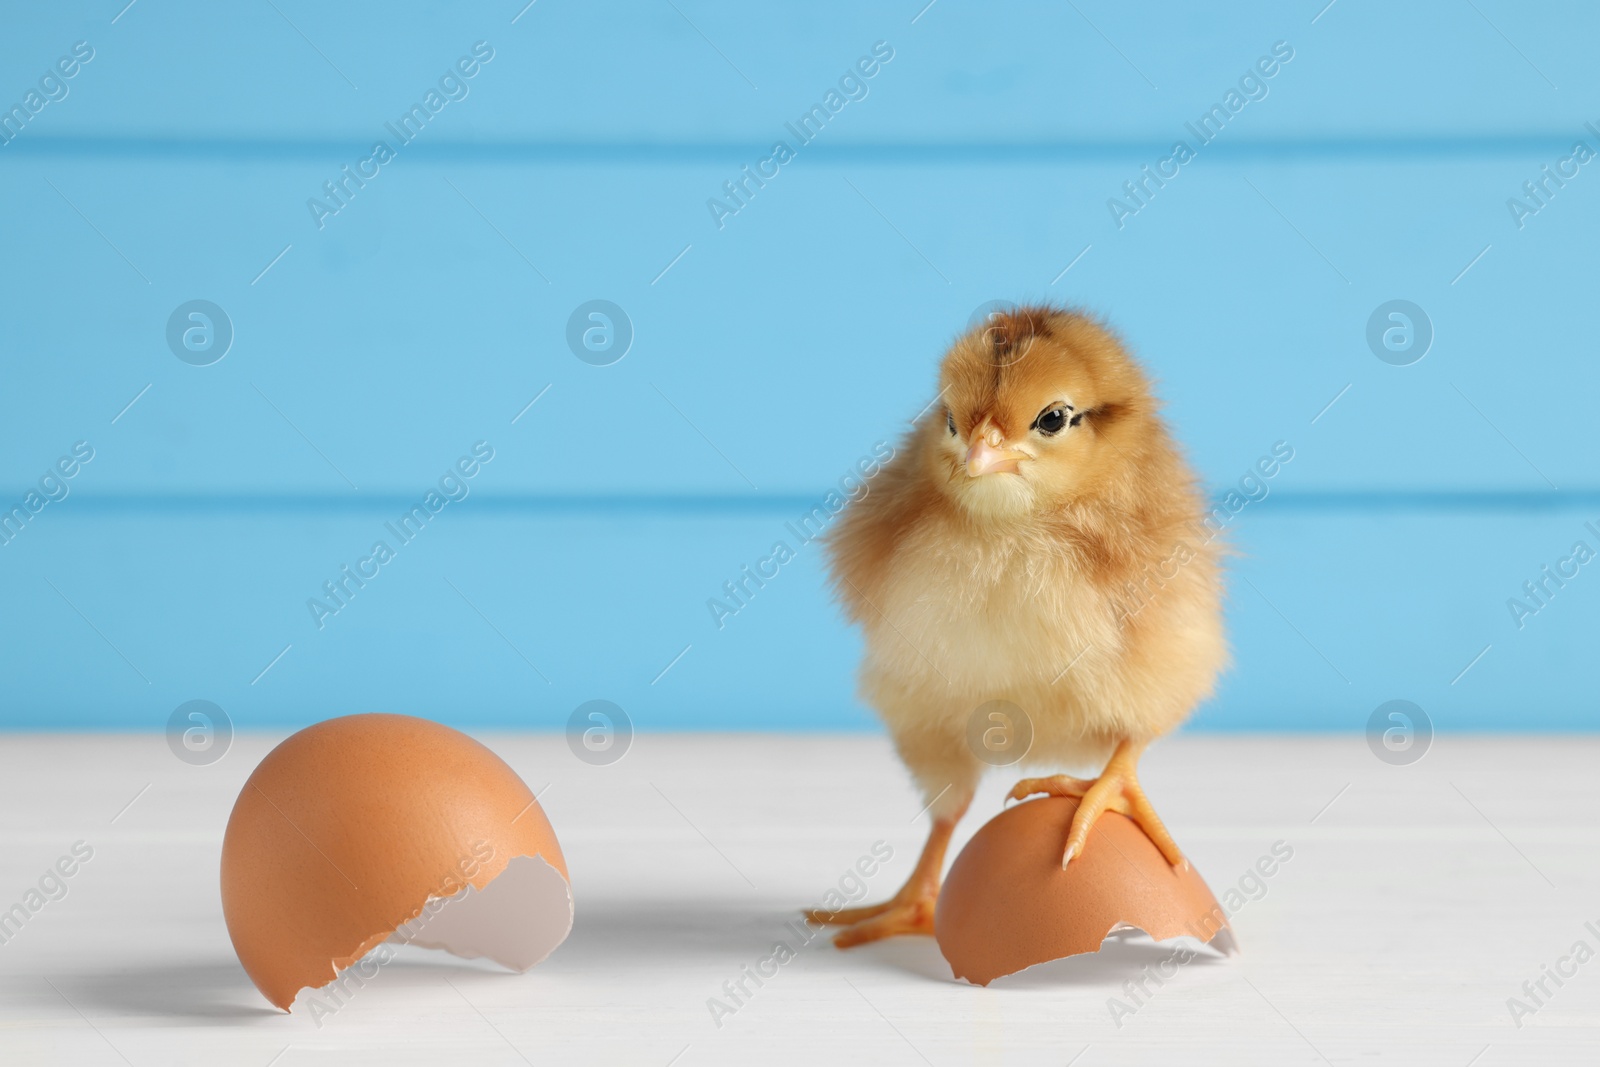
<point x="909" y="912"/>
<point x="1117" y="789"/>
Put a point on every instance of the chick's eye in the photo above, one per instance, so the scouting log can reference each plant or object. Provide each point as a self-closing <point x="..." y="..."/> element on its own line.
<point x="1051" y="422"/>
<point x="950" y="421"/>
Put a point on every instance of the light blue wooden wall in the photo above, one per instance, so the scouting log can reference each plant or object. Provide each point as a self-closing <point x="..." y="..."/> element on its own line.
<point x="777" y="349"/>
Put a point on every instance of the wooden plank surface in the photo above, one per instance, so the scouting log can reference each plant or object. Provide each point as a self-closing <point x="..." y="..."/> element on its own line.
<point x="513" y="618"/>
<point x="1418" y="899"/>
<point x="773" y="349"/>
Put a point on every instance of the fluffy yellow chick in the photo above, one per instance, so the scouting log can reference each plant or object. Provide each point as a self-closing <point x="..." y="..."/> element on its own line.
<point x="1040" y="540"/>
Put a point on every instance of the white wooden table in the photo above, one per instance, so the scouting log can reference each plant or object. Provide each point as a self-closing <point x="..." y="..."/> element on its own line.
<point x="1418" y="900"/>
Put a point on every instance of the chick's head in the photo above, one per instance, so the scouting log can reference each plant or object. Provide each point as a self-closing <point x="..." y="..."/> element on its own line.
<point x="1043" y="408"/>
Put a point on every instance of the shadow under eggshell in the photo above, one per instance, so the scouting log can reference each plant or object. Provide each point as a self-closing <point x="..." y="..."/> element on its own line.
<point x="1007" y="904"/>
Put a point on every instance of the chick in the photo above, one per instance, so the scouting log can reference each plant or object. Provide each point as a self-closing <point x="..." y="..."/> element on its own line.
<point x="1040" y="540"/>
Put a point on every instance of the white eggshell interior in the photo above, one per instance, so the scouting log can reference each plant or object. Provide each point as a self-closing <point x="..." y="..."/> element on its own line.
<point x="516" y="920"/>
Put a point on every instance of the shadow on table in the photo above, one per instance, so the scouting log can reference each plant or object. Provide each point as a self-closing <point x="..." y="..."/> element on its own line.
<point x="613" y="933"/>
<point x="623" y="933"/>
<point x="210" y="992"/>
<point x="612" y="937"/>
<point x="203" y="992"/>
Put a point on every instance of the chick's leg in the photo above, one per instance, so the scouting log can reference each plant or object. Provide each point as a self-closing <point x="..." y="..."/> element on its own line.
<point x="1117" y="789"/>
<point x="909" y="911"/>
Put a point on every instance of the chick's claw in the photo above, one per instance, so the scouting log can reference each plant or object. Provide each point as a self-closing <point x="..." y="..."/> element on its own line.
<point x="1120" y="793"/>
<point x="846" y="916"/>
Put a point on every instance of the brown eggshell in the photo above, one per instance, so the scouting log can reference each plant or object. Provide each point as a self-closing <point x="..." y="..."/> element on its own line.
<point x="1007" y="904"/>
<point x="350" y="826"/>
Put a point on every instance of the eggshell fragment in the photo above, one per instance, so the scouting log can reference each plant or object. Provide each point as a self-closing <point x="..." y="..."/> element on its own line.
<point x="362" y="826"/>
<point x="1007" y="904"/>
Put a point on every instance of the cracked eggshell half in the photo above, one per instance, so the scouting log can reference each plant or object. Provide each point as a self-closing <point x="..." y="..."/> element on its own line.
<point x="370" y="828"/>
<point x="1007" y="903"/>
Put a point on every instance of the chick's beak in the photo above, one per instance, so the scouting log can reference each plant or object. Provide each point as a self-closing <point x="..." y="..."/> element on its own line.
<point x="987" y="457"/>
